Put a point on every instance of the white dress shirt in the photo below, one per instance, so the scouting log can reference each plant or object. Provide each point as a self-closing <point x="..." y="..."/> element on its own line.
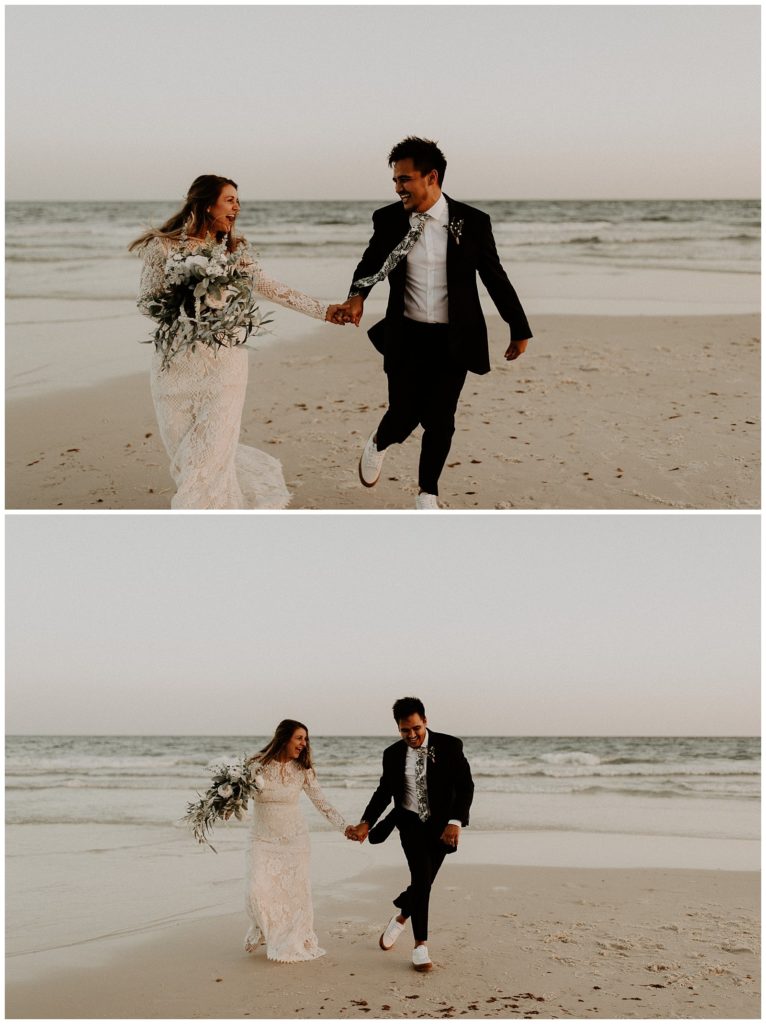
<point x="410" y="801"/>
<point x="425" y="293"/>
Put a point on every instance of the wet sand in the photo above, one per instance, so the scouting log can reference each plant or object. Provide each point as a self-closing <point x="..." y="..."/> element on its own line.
<point x="601" y="412"/>
<point x="506" y="942"/>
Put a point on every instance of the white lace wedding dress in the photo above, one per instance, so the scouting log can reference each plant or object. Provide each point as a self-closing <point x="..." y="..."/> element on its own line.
<point x="199" y="397"/>
<point x="278" y="881"/>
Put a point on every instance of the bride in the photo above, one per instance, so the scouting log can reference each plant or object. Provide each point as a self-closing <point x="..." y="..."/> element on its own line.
<point x="199" y="394"/>
<point x="278" y="883"/>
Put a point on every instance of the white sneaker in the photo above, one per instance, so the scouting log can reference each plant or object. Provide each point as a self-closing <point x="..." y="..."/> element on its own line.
<point x="370" y="463"/>
<point x="425" y="501"/>
<point x="421" y="961"/>
<point x="393" y="930"/>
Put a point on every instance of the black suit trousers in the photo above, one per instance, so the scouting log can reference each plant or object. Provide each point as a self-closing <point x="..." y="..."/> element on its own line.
<point x="425" y="853"/>
<point x="424" y="385"/>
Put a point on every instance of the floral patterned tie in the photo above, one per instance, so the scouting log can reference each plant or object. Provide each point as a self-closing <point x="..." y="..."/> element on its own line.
<point x="395" y="256"/>
<point x="421" y="788"/>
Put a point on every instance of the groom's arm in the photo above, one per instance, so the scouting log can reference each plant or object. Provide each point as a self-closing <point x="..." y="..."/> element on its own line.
<point x="382" y="796"/>
<point x="380" y="799"/>
<point x="501" y="291"/>
<point x="373" y="257"/>
<point x="463" y="787"/>
<point x="370" y="263"/>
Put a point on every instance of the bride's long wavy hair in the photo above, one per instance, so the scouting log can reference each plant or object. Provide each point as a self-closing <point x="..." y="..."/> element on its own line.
<point x="282" y="736"/>
<point x="193" y="216"/>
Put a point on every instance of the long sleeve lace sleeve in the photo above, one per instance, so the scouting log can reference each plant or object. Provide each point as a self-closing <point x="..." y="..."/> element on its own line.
<point x="312" y="789"/>
<point x="280" y="293"/>
<point x="152" y="272"/>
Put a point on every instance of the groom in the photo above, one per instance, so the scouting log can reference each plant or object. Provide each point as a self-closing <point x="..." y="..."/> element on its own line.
<point x="434" y="330"/>
<point x="429" y="779"/>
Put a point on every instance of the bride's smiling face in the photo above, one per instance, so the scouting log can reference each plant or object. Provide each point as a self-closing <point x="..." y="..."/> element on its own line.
<point x="224" y="212"/>
<point x="296" y="744"/>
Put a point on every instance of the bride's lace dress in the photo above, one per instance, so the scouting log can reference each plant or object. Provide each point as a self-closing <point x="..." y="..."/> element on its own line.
<point x="278" y="882"/>
<point x="199" y="398"/>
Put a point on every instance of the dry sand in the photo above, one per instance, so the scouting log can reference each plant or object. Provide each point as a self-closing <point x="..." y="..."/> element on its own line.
<point x="506" y="942"/>
<point x="601" y="412"/>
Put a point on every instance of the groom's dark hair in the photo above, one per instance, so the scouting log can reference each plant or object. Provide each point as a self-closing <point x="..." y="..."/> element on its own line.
<point x="407" y="706"/>
<point x="425" y="155"/>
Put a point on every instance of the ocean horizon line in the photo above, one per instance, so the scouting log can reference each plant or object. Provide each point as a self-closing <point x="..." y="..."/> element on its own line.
<point x="383" y="199"/>
<point x="386" y="735"/>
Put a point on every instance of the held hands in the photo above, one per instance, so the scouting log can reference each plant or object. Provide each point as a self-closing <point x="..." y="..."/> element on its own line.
<point x="357" y="833"/>
<point x="348" y="312"/>
<point x="516" y="348"/>
<point x="336" y="315"/>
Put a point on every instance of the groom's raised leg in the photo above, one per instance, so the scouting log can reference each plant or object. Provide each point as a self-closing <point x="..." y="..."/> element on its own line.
<point x="392" y="931"/>
<point x="424" y="856"/>
<point x="403" y="413"/>
<point x="397" y="424"/>
<point x="371" y="462"/>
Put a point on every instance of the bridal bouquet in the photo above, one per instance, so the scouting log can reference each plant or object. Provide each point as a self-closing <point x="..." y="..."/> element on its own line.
<point x="207" y="300"/>
<point x="231" y="787"/>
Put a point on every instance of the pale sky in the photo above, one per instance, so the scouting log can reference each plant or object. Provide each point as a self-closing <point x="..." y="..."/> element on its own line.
<point x="297" y="102"/>
<point x="502" y="624"/>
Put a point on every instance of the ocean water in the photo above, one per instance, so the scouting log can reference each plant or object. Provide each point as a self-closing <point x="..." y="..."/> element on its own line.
<point x="71" y="250"/>
<point x="71" y="284"/>
<point x="695" y="787"/>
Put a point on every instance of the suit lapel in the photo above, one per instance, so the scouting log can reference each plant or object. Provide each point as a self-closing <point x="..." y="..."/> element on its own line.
<point x="399" y="227"/>
<point x="451" y="248"/>
<point x="450" y="239"/>
<point x="402" y="225"/>
<point x="401" y="761"/>
<point x="430" y="763"/>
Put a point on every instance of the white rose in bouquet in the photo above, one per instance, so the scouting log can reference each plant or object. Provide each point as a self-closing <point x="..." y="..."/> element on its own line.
<point x="225" y="791"/>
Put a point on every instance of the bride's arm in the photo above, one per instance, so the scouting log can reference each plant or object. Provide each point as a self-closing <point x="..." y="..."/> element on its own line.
<point x="152" y="282"/>
<point x="280" y="293"/>
<point x="317" y="797"/>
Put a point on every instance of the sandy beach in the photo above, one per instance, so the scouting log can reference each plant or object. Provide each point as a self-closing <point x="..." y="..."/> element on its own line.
<point x="506" y="940"/>
<point x="612" y="412"/>
<point x="599" y="877"/>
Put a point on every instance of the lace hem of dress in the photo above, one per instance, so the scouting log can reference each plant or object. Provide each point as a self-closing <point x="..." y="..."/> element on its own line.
<point x="254" y="942"/>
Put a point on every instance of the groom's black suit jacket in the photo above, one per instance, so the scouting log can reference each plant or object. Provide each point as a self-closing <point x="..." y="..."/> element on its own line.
<point x="474" y="253"/>
<point x="448" y="780"/>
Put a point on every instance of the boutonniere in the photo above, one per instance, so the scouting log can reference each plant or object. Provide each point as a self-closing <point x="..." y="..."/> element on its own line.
<point x="456" y="229"/>
<point x="430" y="751"/>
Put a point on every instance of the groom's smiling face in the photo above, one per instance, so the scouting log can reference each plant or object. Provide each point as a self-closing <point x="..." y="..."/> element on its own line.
<point x="413" y="730"/>
<point x="418" y="192"/>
